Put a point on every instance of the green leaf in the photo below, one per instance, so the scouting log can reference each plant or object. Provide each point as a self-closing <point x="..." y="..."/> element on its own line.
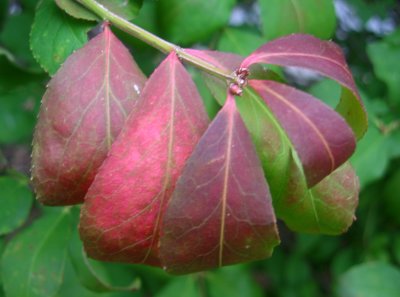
<point x="187" y="21"/>
<point x="33" y="262"/>
<point x="233" y="281"/>
<point x="239" y="40"/>
<point x="128" y="9"/>
<point x="16" y="200"/>
<point x="372" y="156"/>
<point x="283" y="17"/>
<point x="370" y="280"/>
<point x="18" y="109"/>
<point x="183" y="286"/>
<point x="385" y="57"/>
<point x="14" y="38"/>
<point x="328" y="91"/>
<point x="77" y="10"/>
<point x="55" y="35"/>
<point x="391" y="192"/>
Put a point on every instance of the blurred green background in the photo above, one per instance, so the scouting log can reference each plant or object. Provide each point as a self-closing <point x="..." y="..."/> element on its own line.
<point x="39" y="246"/>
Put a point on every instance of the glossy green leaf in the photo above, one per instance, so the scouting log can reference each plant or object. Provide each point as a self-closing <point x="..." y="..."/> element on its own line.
<point x="55" y="35"/>
<point x="370" y="280"/>
<point x="16" y="200"/>
<point x="283" y="17"/>
<point x="187" y="21"/>
<point x="385" y="57"/>
<point x="77" y="10"/>
<point x="33" y="262"/>
<point x="239" y="41"/>
<point x="127" y="9"/>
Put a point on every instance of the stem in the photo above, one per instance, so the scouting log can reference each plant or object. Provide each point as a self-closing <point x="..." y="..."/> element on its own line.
<point x="154" y="40"/>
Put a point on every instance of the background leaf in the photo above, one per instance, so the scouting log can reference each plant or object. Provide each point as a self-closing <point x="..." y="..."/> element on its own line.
<point x="370" y="280"/>
<point x="186" y="21"/>
<point x="16" y="199"/>
<point x="33" y="262"/>
<point x="284" y="17"/>
<point x="65" y="33"/>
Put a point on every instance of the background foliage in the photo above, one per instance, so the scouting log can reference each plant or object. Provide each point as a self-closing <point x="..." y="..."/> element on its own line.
<point x="39" y="246"/>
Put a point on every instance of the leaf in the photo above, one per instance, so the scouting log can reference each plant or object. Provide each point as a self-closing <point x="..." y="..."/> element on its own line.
<point x="233" y="281"/>
<point x="16" y="199"/>
<point x="83" y="111"/>
<point x="128" y="197"/>
<point x="221" y="211"/>
<point x="293" y="201"/>
<point x="320" y="136"/>
<point x="127" y="9"/>
<point x="370" y="280"/>
<point x="186" y="21"/>
<point x="93" y="275"/>
<point x="16" y="46"/>
<point x="77" y="10"/>
<point x="324" y="57"/>
<point x="185" y="285"/>
<point x="372" y="156"/>
<point x="18" y="112"/>
<point x="385" y="56"/>
<point x="284" y="17"/>
<point x="326" y="90"/>
<point x="327" y="208"/>
<point x="239" y="40"/>
<point x="54" y="35"/>
<point x="33" y="262"/>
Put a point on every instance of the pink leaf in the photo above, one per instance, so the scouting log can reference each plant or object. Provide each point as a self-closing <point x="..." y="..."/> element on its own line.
<point x="83" y="111"/>
<point x="121" y="216"/>
<point x="321" y="137"/>
<point x="324" y="57"/>
<point x="220" y="212"/>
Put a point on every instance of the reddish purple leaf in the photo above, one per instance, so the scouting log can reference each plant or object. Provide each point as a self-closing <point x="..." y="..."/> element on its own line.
<point x="220" y="212"/>
<point x="324" y="57"/>
<point x="121" y="216"/>
<point x="83" y="111"/>
<point x="321" y="137"/>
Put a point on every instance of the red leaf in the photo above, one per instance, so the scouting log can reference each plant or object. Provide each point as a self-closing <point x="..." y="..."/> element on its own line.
<point x="321" y="137"/>
<point x="324" y="57"/>
<point x="220" y="212"/>
<point x="83" y="111"/>
<point x="122" y="212"/>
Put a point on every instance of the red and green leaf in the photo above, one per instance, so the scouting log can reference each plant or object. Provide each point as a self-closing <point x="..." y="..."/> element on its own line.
<point x="324" y="57"/>
<point x="220" y="212"/>
<point x="123" y="209"/>
<point x="328" y="208"/>
<point x="320" y="136"/>
<point x="83" y="110"/>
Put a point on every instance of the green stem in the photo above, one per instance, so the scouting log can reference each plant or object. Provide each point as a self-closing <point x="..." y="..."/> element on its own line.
<point x="154" y="40"/>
